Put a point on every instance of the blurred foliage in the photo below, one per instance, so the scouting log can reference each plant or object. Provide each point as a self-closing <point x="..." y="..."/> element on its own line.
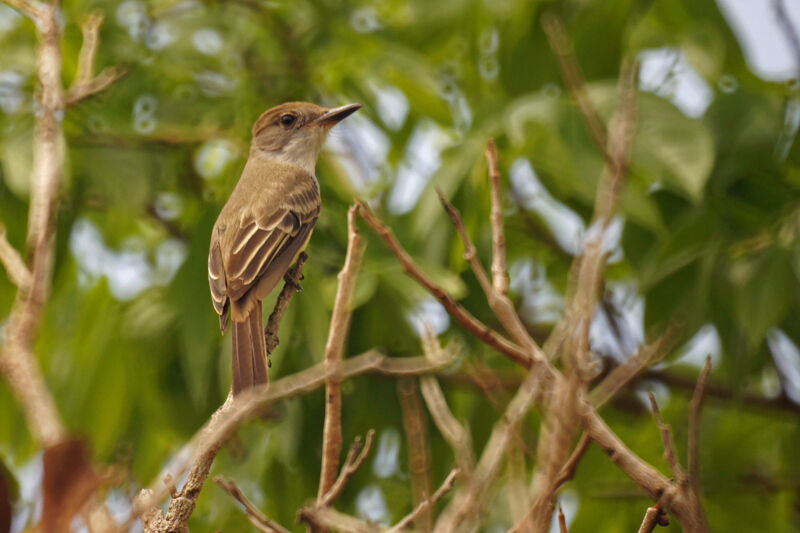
<point x="710" y="233"/>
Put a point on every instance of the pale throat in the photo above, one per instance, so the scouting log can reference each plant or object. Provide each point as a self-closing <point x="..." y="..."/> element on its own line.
<point x="300" y="150"/>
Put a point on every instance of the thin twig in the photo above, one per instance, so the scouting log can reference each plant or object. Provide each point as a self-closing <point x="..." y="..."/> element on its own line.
<point x="86" y="83"/>
<point x="669" y="445"/>
<point x="480" y="330"/>
<point x="562" y="521"/>
<point x="27" y="8"/>
<point x="426" y="505"/>
<point x="499" y="268"/>
<point x="571" y="71"/>
<point x="15" y="267"/>
<point x="470" y="500"/>
<point x="227" y="419"/>
<point x="355" y="458"/>
<point x="415" y="424"/>
<point x="623" y="374"/>
<point x="334" y="349"/>
<point x="456" y="434"/>
<point x="570" y="467"/>
<point x="256" y="517"/>
<point x="500" y="303"/>
<point x="694" y="427"/>
<point x="293" y="277"/>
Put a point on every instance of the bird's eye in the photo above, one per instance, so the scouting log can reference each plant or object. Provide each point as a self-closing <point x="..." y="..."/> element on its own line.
<point x="288" y="120"/>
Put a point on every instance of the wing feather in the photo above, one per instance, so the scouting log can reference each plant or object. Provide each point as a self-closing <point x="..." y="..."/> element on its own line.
<point x="256" y="246"/>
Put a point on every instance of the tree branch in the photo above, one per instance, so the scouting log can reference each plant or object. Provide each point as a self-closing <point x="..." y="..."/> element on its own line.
<point x="415" y="425"/>
<point x="571" y="71"/>
<point x="232" y="414"/>
<point x="669" y="446"/>
<point x="426" y="505"/>
<point x="334" y="349"/>
<point x="28" y="8"/>
<point x="480" y="330"/>
<point x="355" y="458"/>
<point x="499" y="268"/>
<point x="86" y="83"/>
<point x="694" y="428"/>
<point x="293" y="278"/>
<point x="256" y="517"/>
<point x="653" y="517"/>
<point x="16" y="269"/>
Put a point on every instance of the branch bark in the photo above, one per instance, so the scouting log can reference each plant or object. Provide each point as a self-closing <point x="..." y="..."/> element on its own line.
<point x="232" y="414"/>
<point x="334" y="349"/>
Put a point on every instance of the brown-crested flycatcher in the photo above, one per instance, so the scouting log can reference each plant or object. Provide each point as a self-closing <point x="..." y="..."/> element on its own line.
<point x="265" y="224"/>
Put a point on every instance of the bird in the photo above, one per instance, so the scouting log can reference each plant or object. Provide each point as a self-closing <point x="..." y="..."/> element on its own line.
<point x="265" y="224"/>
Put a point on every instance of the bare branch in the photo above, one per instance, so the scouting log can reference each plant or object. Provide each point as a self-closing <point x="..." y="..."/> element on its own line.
<point x="15" y="267"/>
<point x="328" y="518"/>
<point x="480" y="330"/>
<point x="415" y="424"/>
<point x="500" y="303"/>
<point x="227" y="419"/>
<point x="470" y="500"/>
<point x="499" y="268"/>
<point x="293" y="278"/>
<point x="427" y="504"/>
<point x="571" y="466"/>
<point x="86" y="83"/>
<point x="456" y="434"/>
<point x="86" y="57"/>
<point x="97" y="84"/>
<point x="669" y="446"/>
<point x="355" y="458"/>
<point x="30" y="9"/>
<point x="17" y="359"/>
<point x="256" y="517"/>
<point x="624" y="373"/>
<point x="654" y="516"/>
<point x="694" y="426"/>
<point x="334" y="349"/>
<point x="571" y="71"/>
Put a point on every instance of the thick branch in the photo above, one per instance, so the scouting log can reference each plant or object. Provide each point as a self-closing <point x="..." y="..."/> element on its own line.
<point x="337" y="335"/>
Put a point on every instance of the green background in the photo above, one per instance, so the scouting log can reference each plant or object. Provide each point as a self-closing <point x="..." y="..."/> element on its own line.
<point x="710" y="223"/>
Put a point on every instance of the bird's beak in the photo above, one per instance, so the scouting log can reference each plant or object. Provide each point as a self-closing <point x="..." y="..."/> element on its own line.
<point x="333" y="116"/>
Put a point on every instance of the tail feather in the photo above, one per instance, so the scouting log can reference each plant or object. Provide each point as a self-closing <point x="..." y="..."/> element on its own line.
<point x="249" y="352"/>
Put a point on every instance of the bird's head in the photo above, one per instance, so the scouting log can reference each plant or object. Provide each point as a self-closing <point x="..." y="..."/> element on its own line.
<point x="294" y="132"/>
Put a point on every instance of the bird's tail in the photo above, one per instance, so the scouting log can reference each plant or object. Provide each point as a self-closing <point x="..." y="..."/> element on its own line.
<point x="249" y="352"/>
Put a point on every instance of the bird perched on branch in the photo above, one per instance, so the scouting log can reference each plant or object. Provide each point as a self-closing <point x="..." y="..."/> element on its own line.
<point x="265" y="224"/>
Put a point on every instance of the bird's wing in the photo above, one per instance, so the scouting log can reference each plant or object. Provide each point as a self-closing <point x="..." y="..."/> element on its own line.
<point x="263" y="244"/>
